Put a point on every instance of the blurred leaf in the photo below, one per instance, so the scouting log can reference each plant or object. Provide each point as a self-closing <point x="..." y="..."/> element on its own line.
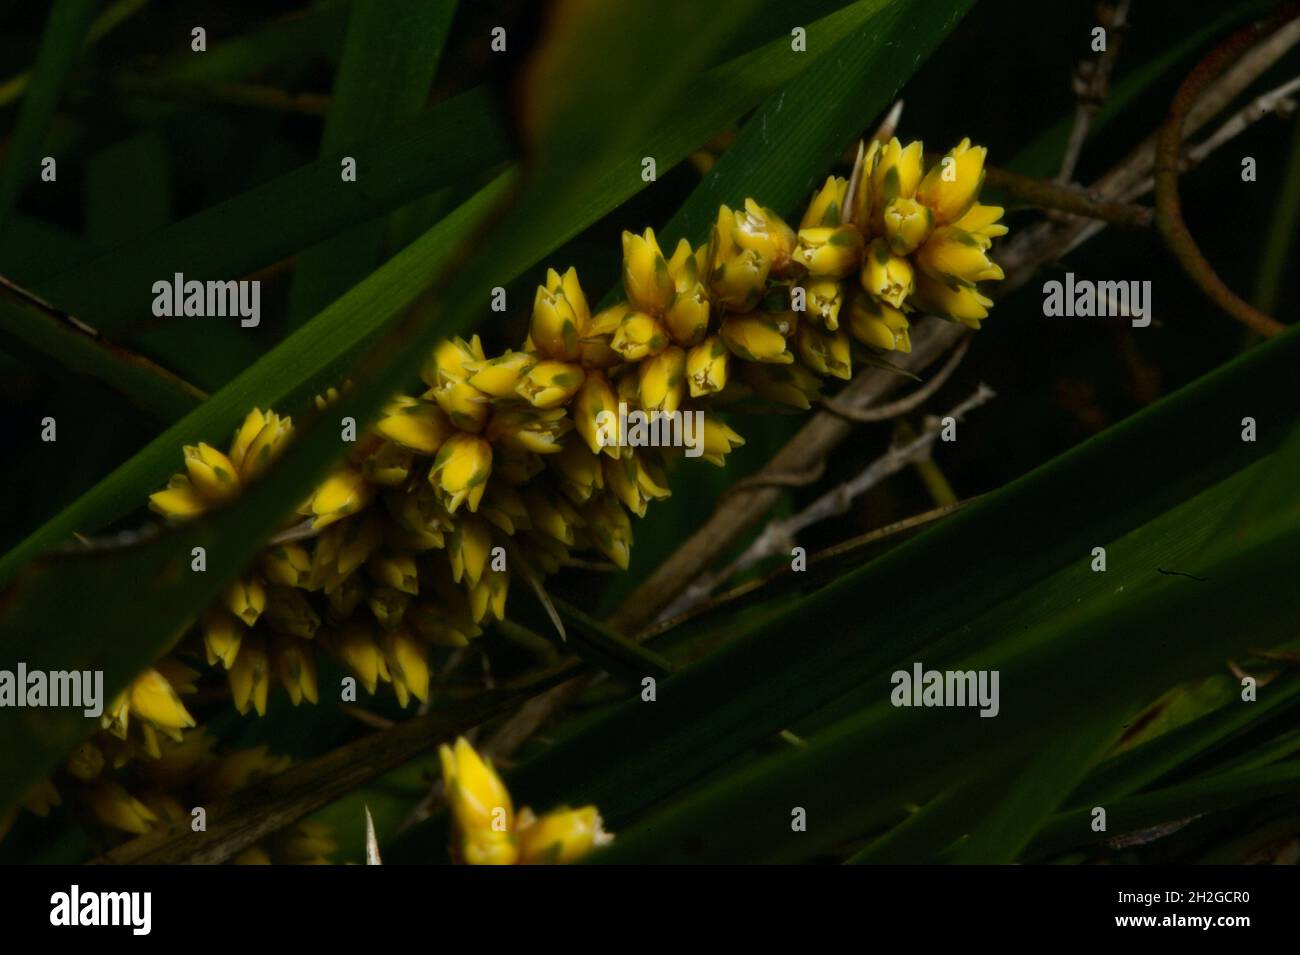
<point x="65" y="32"/>
<point x="390" y="56"/>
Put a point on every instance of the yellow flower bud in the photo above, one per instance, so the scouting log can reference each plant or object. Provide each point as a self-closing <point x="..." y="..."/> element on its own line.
<point x="246" y="599"/>
<point x="468" y="548"/>
<point x="461" y="470"/>
<point x="419" y="426"/>
<point x="500" y="376"/>
<point x="736" y="275"/>
<point x="118" y="809"/>
<point x="758" y="336"/>
<point x="829" y="252"/>
<point x="502" y="505"/>
<point x="264" y="446"/>
<point x="719" y="441"/>
<point x="466" y="406"/>
<point x="408" y="665"/>
<point x="792" y="385"/>
<point x="295" y="666"/>
<point x="862" y="198"/>
<point x="706" y="366"/>
<point x="827" y="206"/>
<point x="878" y="324"/>
<point x="481" y="807"/>
<point x="660" y="380"/>
<point x="549" y="384"/>
<point x="180" y="501"/>
<point x="578" y="470"/>
<point x="250" y="677"/>
<point x="155" y="700"/>
<point x="594" y="349"/>
<point x="886" y="276"/>
<point x="637" y="336"/>
<point x="825" y="352"/>
<point x="761" y="230"/>
<point x="487" y="598"/>
<point x="609" y="528"/>
<point x="951" y="187"/>
<point x="645" y="273"/>
<point x="621" y="477"/>
<point x="552" y="515"/>
<point x="982" y="222"/>
<point x="532" y="430"/>
<point x="342" y="493"/>
<point x="560" y="316"/>
<point x="211" y="473"/>
<point x="395" y="570"/>
<point x="562" y="836"/>
<point x="452" y="360"/>
<point x="894" y="175"/>
<point x="955" y="257"/>
<point x="959" y="303"/>
<point x="357" y="647"/>
<point x="907" y="224"/>
<point x="287" y="564"/>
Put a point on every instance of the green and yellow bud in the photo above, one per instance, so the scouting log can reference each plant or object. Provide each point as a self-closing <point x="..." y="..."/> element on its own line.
<point x="757" y="336"/>
<point x="895" y="175"/>
<point x="956" y="257"/>
<point x="549" y="384"/>
<point x="246" y="599"/>
<point x="646" y="280"/>
<point x="343" y="493"/>
<point x="638" y="336"/>
<point x="561" y="836"/>
<point x="825" y="352"/>
<point x="530" y="430"/>
<point x="719" y="441"/>
<point x="706" y="366"/>
<point x="951" y="187"/>
<point x="761" y="230"/>
<point x="829" y="251"/>
<point x="287" y="564"/>
<point x="560" y="316"/>
<point x="827" y="206"/>
<point x="154" y="699"/>
<point x="482" y="811"/>
<point x="736" y="275"/>
<point x="887" y="276"/>
<point x="250" y="677"/>
<point x="461" y="470"/>
<point x="419" y="426"/>
<point x="609" y="528"/>
<point x="211" y="472"/>
<point x="295" y="667"/>
<point x="500" y="376"/>
<point x="961" y="303"/>
<point x="661" y="380"/>
<point x="983" y="223"/>
<point x="408" y="665"/>
<point x="878" y="324"/>
<point x="907" y="224"/>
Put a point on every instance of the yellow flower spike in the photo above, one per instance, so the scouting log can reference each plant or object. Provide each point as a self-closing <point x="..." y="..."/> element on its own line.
<point x="983" y="223"/>
<point x="289" y="611"/>
<point x="560" y="315"/>
<point x="395" y="570"/>
<point x="757" y="337"/>
<point x="825" y="352"/>
<point x="460" y="471"/>
<point x="638" y="336"/>
<point x="499" y="377"/>
<point x="829" y="252"/>
<point x="85" y="762"/>
<point x="360" y="652"/>
<point x="409" y="666"/>
<point x="609" y="528"/>
<point x="792" y="385"/>
<point x="956" y="257"/>
<point x="419" y="426"/>
<point x="451" y="361"/>
<point x="862" y="198"/>
<point x="116" y="808"/>
<point x="155" y="700"/>
<point x="719" y="441"/>
<point x="953" y="184"/>
<point x="761" y="230"/>
<point x="661" y="380"/>
<point x="250" y="677"/>
<point x="562" y="836"/>
<point x="578" y="470"/>
<point x="895" y="175"/>
<point x="827" y="206"/>
<point x="736" y="275"/>
<point x="180" y="501"/>
<point x="468" y="548"/>
<point x="552" y="515"/>
<point x="621" y="479"/>
<point x="265" y="446"/>
<point x="211" y="473"/>
<point x="466" y="406"/>
<point x="287" y="564"/>
<point x="530" y="430"/>
<point x="879" y="325"/>
<point x="481" y="808"/>
<point x="295" y="667"/>
<point x="963" y="304"/>
<point x="646" y="280"/>
<point x="907" y="224"/>
<point x="887" y="276"/>
<point x="246" y="599"/>
<point x="706" y="366"/>
<point x="549" y="384"/>
<point x="342" y="493"/>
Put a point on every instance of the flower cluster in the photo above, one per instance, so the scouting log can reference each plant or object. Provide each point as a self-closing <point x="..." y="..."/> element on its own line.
<point x="510" y="463"/>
